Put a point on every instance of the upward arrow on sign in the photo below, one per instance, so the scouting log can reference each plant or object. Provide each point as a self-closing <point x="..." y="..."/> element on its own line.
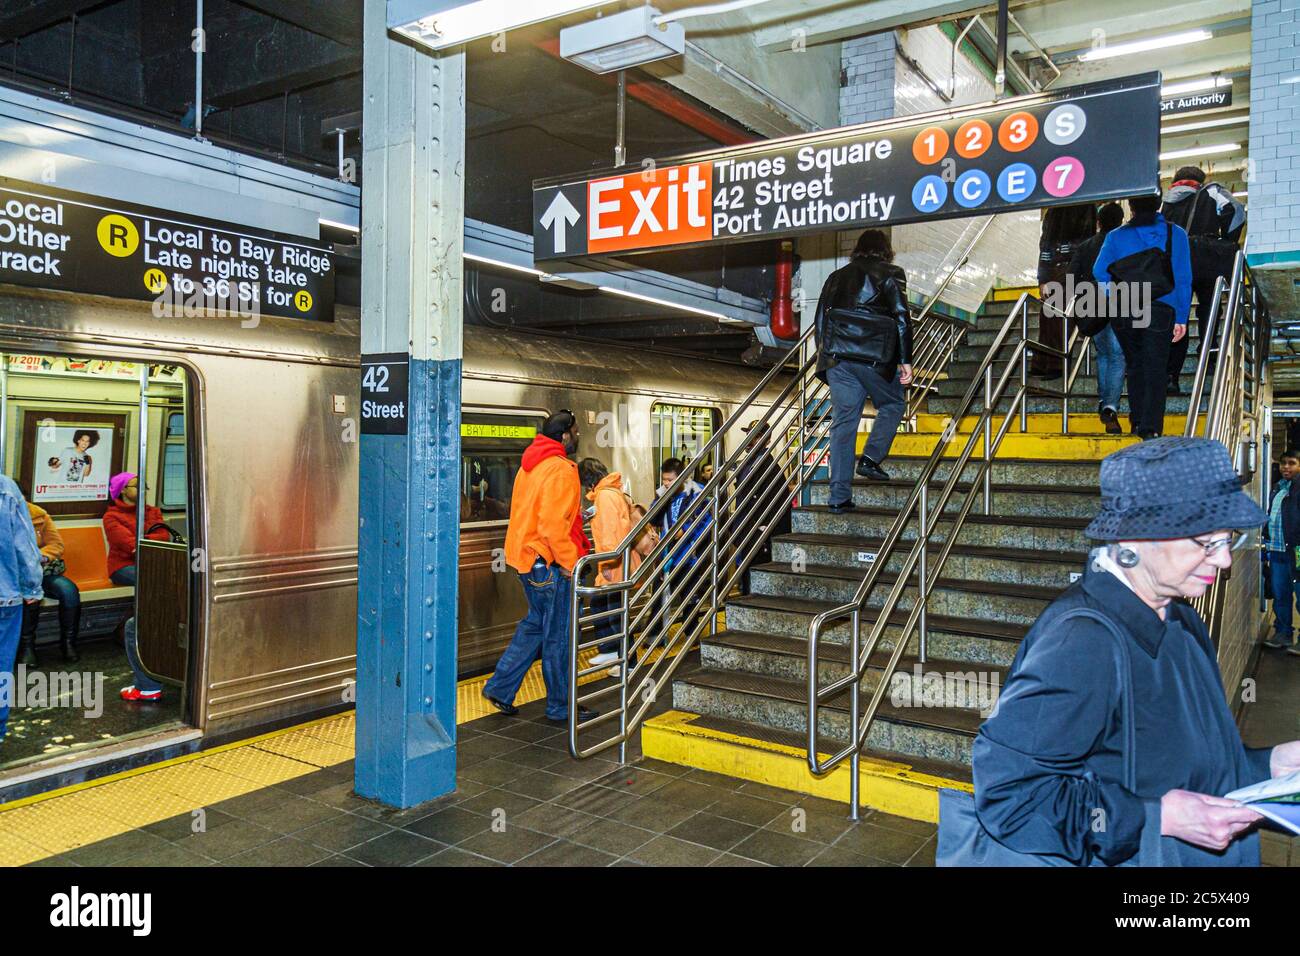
<point x="559" y="215"/>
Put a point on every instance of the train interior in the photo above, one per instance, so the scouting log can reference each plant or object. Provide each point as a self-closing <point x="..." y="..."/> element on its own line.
<point x="71" y="422"/>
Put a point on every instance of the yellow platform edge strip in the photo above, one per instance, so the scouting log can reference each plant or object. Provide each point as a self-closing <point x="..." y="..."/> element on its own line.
<point x="891" y="787"/>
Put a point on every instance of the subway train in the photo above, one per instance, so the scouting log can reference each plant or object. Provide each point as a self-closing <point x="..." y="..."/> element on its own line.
<point x="251" y="452"/>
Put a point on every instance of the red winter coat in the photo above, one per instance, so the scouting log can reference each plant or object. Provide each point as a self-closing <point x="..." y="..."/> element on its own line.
<point x="119" y="529"/>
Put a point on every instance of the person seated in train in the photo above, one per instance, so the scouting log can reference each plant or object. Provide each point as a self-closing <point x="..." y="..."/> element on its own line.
<point x="864" y="350"/>
<point x="1112" y="741"/>
<point x="20" y="584"/>
<point x="611" y="521"/>
<point x="685" y="534"/>
<point x="55" y="585"/>
<point x="119" y="527"/>
<point x="544" y="541"/>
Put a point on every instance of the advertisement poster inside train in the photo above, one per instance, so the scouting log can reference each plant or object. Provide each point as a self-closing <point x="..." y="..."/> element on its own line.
<point x="72" y="463"/>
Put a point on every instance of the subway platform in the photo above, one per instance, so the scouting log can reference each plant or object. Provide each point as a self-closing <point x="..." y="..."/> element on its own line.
<point x="286" y="799"/>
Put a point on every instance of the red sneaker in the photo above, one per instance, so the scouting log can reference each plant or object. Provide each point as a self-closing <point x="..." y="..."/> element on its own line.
<point x="134" y="693"/>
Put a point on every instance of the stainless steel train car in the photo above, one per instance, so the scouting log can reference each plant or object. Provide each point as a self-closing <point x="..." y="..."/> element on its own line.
<point x="250" y="448"/>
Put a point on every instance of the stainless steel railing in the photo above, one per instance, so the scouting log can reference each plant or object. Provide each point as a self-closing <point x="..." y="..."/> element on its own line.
<point x="1236" y="333"/>
<point x="665" y="601"/>
<point x="1005" y="361"/>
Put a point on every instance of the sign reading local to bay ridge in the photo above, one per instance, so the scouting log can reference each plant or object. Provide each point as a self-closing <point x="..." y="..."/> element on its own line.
<point x="1081" y="144"/>
<point x="71" y="242"/>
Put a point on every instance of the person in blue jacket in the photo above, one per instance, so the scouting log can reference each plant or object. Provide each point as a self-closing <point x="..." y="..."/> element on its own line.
<point x="20" y="584"/>
<point x="1048" y="762"/>
<point x="686" y="532"/>
<point x="1282" y="538"/>
<point x="1146" y="325"/>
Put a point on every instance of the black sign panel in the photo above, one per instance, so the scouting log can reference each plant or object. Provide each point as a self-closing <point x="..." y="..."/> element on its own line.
<point x="1195" y="102"/>
<point x="56" y="239"/>
<point x="1082" y="144"/>
<point x="385" y="393"/>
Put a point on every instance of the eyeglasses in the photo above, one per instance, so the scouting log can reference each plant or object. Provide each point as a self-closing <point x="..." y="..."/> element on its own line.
<point x="1213" y="546"/>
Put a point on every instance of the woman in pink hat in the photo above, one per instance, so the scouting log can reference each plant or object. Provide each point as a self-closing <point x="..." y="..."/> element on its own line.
<point x="119" y="527"/>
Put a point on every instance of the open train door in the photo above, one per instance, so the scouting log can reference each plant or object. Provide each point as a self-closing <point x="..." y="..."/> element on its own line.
<point x="162" y="589"/>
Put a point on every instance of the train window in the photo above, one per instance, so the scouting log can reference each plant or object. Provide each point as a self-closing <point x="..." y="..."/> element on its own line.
<point x="682" y="431"/>
<point x="173" y="493"/>
<point x="491" y="447"/>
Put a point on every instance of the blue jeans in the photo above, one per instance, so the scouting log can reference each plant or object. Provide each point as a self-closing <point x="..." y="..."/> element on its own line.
<point x="1110" y="368"/>
<point x="124" y="576"/>
<point x="544" y="627"/>
<point x="143" y="682"/>
<point x="851" y="384"/>
<point x="1285" y="590"/>
<point x="65" y="592"/>
<point x="11" y="625"/>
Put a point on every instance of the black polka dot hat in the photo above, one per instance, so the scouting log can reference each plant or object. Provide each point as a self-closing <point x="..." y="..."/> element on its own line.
<point x="1173" y="487"/>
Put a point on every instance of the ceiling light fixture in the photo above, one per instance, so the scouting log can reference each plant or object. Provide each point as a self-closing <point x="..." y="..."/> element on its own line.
<point x="1200" y="151"/>
<point x="1195" y="86"/>
<point x="1206" y="124"/>
<point x="484" y="260"/>
<point x="1144" y="46"/>
<point x="663" y="302"/>
<point x="346" y="227"/>
<point x="439" y="24"/>
<point x="622" y="40"/>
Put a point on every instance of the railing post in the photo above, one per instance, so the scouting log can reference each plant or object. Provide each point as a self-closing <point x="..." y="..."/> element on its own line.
<point x="625" y="672"/>
<point x="717" y="559"/>
<point x="923" y="535"/>
<point x="1065" y="374"/>
<point x="988" y="439"/>
<point x="855" y="714"/>
<point x="1024" y="368"/>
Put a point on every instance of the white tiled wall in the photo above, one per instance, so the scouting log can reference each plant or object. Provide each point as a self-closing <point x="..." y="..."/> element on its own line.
<point x="1274" y="183"/>
<point x="880" y="84"/>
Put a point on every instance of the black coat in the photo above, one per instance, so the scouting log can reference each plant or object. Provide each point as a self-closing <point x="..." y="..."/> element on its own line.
<point x="872" y="285"/>
<point x="1048" y="763"/>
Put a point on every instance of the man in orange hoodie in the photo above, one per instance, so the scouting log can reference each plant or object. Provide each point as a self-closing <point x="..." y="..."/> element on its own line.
<point x="543" y="542"/>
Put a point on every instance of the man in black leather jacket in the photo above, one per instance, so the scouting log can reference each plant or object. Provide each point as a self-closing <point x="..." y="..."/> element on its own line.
<point x="864" y="349"/>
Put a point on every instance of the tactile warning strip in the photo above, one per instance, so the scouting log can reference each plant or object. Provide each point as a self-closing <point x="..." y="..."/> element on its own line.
<point x="48" y="824"/>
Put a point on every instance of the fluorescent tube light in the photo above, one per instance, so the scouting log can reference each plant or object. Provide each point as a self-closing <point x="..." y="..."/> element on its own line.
<point x="346" y="227"/>
<point x="503" y="265"/>
<point x="1144" y="46"/>
<point x="662" y="302"/>
<point x="439" y="25"/>
<point x="1195" y="86"/>
<point x="1200" y="151"/>
<point x="1206" y="124"/>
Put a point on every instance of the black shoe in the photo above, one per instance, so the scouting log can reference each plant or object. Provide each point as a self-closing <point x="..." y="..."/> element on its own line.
<point x="584" y="713"/>
<point x="842" y="507"/>
<point x="509" y="710"/>
<point x="1172" y="388"/>
<point x="69" y="649"/>
<point x="28" y="654"/>
<point x="1111" y="421"/>
<point x="869" y="469"/>
<point x="68" y="638"/>
<point x="1147" y="436"/>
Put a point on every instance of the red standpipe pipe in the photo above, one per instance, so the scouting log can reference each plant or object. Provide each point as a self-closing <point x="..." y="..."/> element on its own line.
<point x="783" y="323"/>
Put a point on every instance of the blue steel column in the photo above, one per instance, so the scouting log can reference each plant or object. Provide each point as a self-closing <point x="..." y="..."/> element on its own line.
<point x="412" y="228"/>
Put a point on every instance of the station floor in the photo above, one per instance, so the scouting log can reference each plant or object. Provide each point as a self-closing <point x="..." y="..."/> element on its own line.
<point x="285" y="799"/>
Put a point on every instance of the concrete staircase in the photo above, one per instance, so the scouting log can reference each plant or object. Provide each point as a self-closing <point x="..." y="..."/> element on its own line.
<point x="743" y="708"/>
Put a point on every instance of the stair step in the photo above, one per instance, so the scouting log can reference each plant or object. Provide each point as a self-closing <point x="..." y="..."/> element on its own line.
<point x="1010" y="565"/>
<point x="1007" y="499"/>
<point x="786" y="657"/>
<point x="1027" y="532"/>
<point x="1046" y="422"/>
<point x="1016" y="444"/>
<point x="1073" y="474"/>
<point x="938" y="733"/>
<point x="1043" y="404"/>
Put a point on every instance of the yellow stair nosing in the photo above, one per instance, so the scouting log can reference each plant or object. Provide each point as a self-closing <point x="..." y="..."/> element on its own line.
<point x="895" y="788"/>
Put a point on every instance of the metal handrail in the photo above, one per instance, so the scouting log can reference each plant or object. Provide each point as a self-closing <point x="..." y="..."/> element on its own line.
<point x="715" y="538"/>
<point x="990" y="390"/>
<point x="1231" y="416"/>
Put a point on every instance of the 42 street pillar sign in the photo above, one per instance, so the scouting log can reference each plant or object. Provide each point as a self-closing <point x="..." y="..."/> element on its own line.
<point x="1082" y="144"/>
<point x="385" y="393"/>
<point x="71" y="242"/>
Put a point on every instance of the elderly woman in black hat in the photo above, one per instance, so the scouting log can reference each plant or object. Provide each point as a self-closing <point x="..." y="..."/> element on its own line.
<point x="1059" y="771"/>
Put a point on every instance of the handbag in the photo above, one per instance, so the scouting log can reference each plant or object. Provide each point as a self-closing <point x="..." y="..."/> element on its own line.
<point x="963" y="841"/>
<point x="53" y="568"/>
<point x="1212" y="256"/>
<point x="1153" y="267"/>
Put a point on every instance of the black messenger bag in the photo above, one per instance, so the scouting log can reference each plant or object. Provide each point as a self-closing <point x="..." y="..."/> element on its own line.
<point x="1153" y="266"/>
<point x="863" y="336"/>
